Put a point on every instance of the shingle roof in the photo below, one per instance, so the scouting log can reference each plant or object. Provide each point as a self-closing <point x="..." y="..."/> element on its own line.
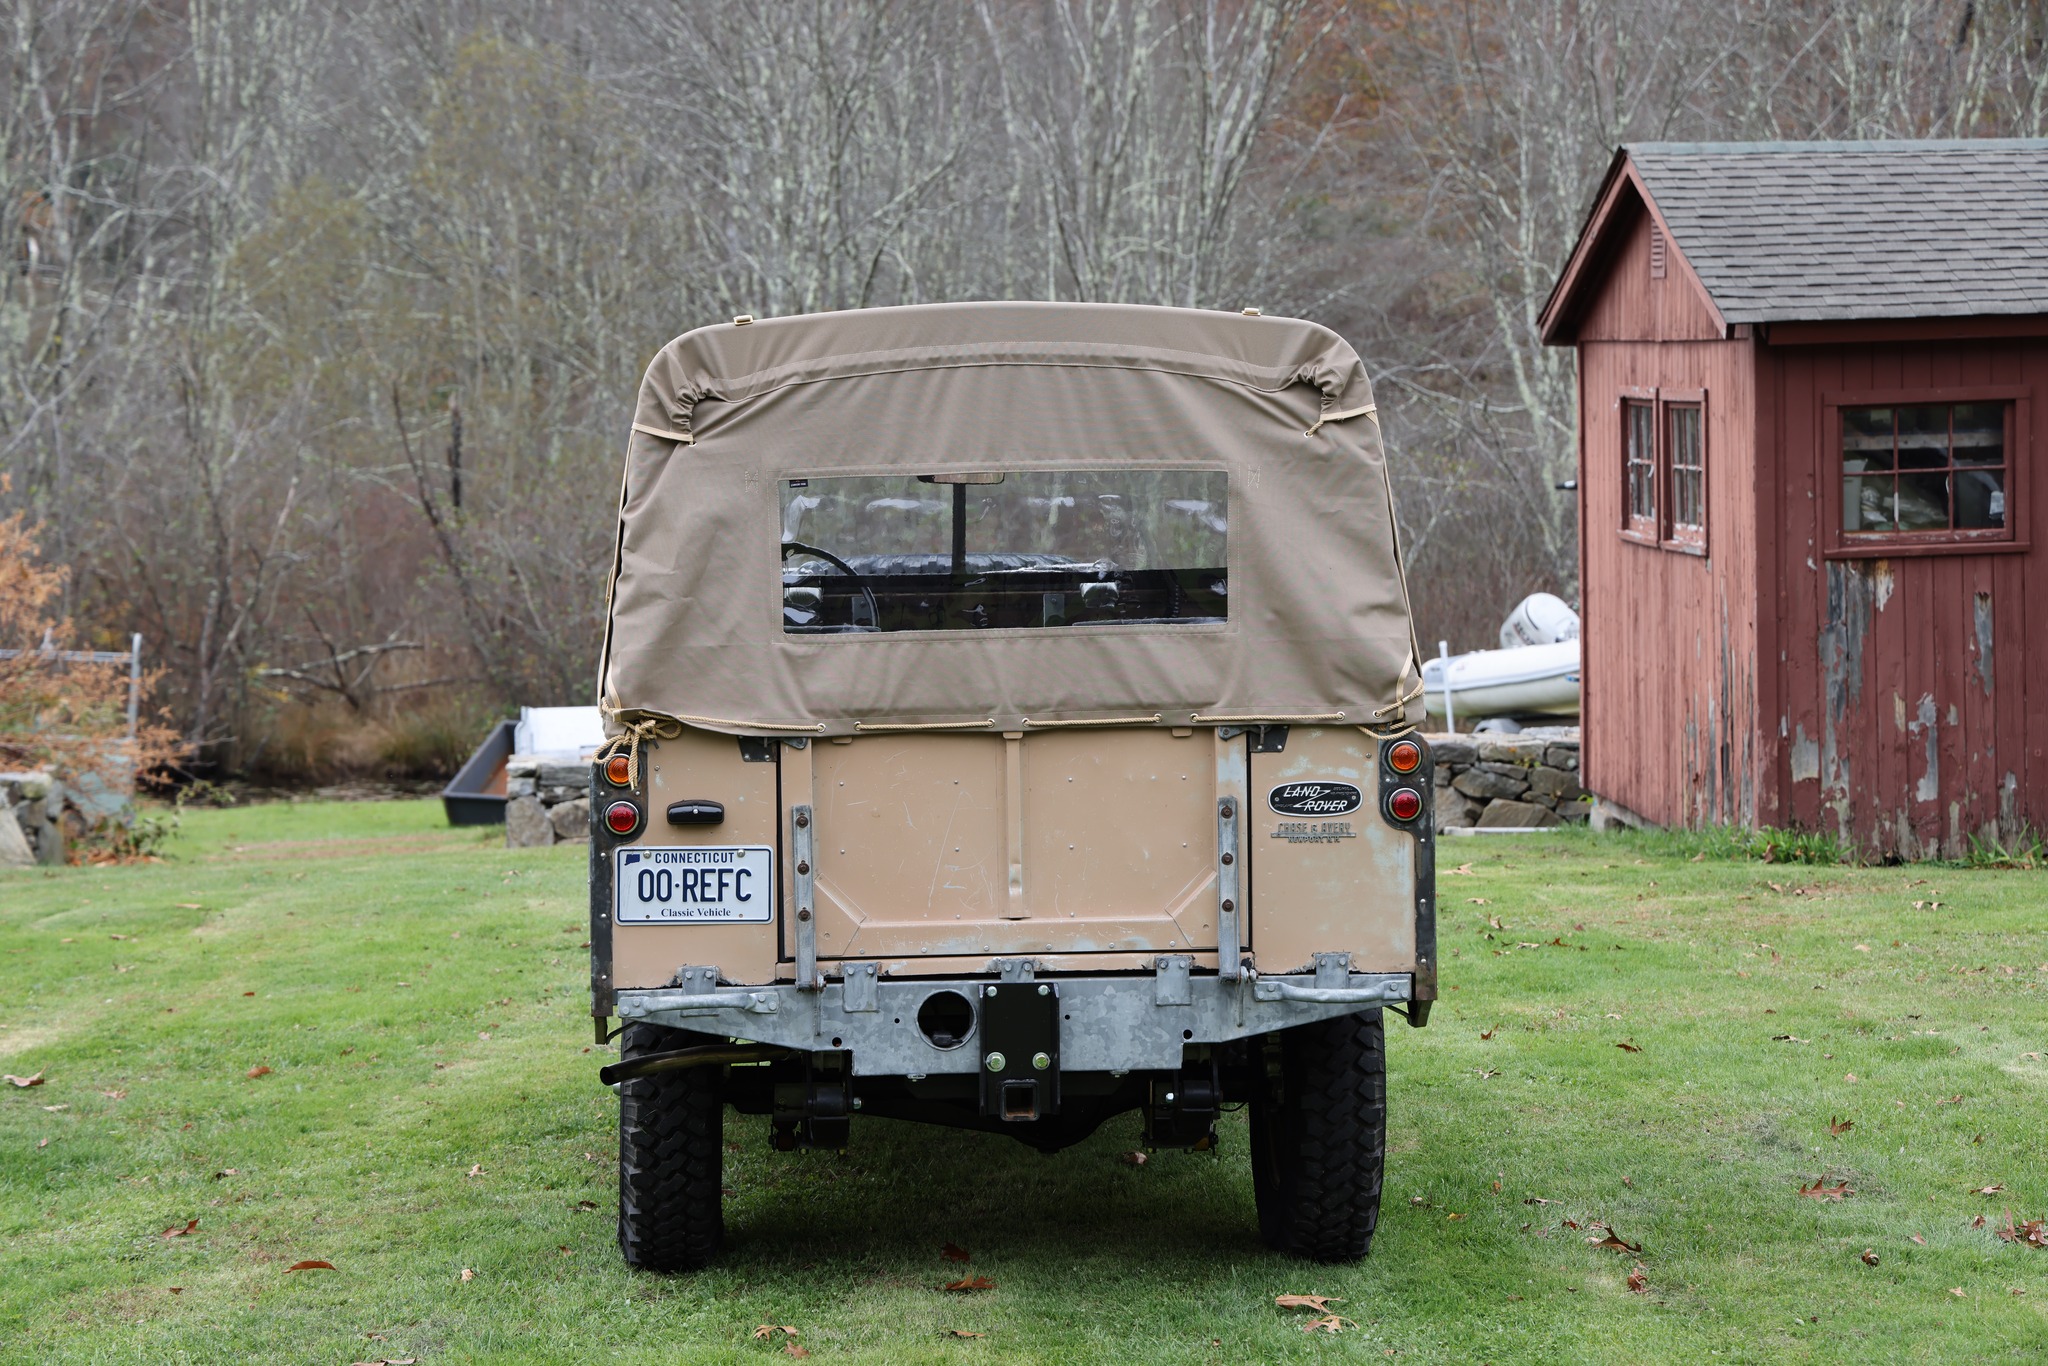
<point x="1779" y="231"/>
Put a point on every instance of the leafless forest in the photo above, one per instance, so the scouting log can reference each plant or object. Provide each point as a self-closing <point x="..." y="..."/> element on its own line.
<point x="322" y="320"/>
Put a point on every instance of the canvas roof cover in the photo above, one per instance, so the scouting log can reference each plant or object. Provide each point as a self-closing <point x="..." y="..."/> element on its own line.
<point x="1317" y="624"/>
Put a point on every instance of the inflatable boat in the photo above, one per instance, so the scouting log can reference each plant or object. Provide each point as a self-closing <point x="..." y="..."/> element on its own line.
<point x="1532" y="680"/>
<point x="1534" y="673"/>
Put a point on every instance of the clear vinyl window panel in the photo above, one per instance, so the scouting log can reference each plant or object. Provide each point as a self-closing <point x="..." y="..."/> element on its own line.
<point x="1936" y="469"/>
<point x="998" y="551"/>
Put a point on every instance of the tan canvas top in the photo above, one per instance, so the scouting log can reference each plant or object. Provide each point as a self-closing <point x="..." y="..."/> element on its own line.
<point x="1317" y="624"/>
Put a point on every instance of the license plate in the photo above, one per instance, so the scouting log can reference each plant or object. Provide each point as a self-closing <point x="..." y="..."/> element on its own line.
<point x="697" y="884"/>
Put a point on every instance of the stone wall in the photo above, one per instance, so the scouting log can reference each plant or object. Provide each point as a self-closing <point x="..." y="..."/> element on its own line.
<point x="546" y="802"/>
<point x="31" y="820"/>
<point x="1496" y="782"/>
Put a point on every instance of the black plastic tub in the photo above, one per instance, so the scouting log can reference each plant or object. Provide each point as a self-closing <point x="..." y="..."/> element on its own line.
<point x="476" y="794"/>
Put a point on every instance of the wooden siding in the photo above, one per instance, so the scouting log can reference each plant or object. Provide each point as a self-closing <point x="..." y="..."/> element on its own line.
<point x="1905" y="710"/>
<point x="1670" y="637"/>
<point x="1632" y="305"/>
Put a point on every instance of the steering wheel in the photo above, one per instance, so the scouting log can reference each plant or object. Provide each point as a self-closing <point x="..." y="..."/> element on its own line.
<point x="874" y="609"/>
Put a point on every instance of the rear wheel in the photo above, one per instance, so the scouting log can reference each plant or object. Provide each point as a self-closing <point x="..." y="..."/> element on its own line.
<point x="671" y="1142"/>
<point x="1319" y="1139"/>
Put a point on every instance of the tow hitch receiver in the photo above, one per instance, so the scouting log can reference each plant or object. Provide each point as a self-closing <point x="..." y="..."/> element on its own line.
<point x="1020" y="1049"/>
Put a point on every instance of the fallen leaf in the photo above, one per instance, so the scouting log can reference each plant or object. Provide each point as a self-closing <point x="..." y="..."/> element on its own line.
<point x="476" y="1169"/>
<point x="248" y="993"/>
<point x="1918" y="1239"/>
<point x="1848" y="1076"/>
<point x="964" y="1333"/>
<point x="1977" y="1222"/>
<point x="586" y="1204"/>
<point x="1538" y="1200"/>
<point x="226" y="1172"/>
<point x="115" y="1094"/>
<point x="1455" y="1216"/>
<point x="969" y="1283"/>
<point x="1639" y="1280"/>
<point x="1788" y="1038"/>
<point x="2032" y="1233"/>
<point x="42" y="1143"/>
<point x="1319" y="1303"/>
<point x="1820" y="1190"/>
<point x="790" y="1349"/>
<point x="769" y="1330"/>
<point x="36" y="1080"/>
<point x="1571" y="1223"/>
<point x="1134" y="1159"/>
<point x="1329" y="1323"/>
<point x="190" y="1224"/>
<point x="1479" y="901"/>
<point x="175" y="1289"/>
<point x="953" y="1252"/>
<point x="259" y="1070"/>
<point x="1869" y="1257"/>
<point x="310" y="1266"/>
<point x="467" y="1274"/>
<point x="1987" y="1190"/>
<point x="57" y="1109"/>
<point x="1838" y="1127"/>
<point x="1628" y="1048"/>
<point x="1957" y="1291"/>
<point x="1488" y="1033"/>
<point x="1462" y="870"/>
<point x="120" y="936"/>
<point x="1952" y="1100"/>
<point x="1863" y="948"/>
<point x="1617" y="1242"/>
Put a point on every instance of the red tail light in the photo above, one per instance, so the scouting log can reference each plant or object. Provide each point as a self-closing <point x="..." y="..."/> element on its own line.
<point x="623" y="818"/>
<point x="1404" y="804"/>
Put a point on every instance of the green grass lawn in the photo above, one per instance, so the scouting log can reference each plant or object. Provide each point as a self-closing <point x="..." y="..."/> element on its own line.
<point x="431" y="1123"/>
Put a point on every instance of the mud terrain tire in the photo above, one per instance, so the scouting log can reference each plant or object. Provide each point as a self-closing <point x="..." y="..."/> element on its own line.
<point x="671" y="1143"/>
<point x="1319" y="1139"/>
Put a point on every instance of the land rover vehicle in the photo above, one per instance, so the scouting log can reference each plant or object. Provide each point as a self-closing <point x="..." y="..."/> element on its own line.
<point x="1010" y="712"/>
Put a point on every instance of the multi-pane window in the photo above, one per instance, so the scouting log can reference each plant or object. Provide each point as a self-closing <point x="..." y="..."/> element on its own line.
<point x="1686" y="459"/>
<point x="1929" y="470"/>
<point x="1664" y="469"/>
<point x="1639" y="432"/>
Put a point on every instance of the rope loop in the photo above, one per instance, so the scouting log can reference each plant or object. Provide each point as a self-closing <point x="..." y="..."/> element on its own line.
<point x="630" y="738"/>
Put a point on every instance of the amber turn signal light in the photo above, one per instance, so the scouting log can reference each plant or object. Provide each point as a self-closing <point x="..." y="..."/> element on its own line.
<point x="618" y="770"/>
<point x="623" y="818"/>
<point x="1405" y="804"/>
<point x="1404" y="756"/>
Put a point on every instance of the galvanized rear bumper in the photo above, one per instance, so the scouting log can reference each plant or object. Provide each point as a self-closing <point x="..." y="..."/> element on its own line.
<point x="1123" y="1023"/>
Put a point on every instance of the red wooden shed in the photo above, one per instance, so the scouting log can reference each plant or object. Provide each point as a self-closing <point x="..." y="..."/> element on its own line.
<point x="1813" y="462"/>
